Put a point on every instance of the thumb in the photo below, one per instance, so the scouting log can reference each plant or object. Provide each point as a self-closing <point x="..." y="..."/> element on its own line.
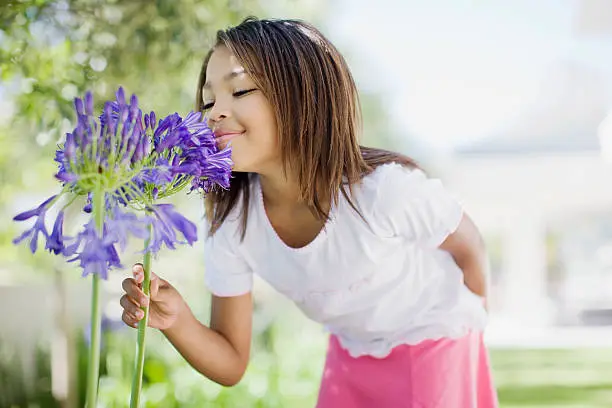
<point x="138" y="273"/>
<point x="154" y="280"/>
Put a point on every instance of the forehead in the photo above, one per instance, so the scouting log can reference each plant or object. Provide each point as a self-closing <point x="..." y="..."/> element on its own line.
<point x="222" y="66"/>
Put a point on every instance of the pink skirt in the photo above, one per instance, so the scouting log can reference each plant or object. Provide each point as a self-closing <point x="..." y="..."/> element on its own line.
<point x="441" y="373"/>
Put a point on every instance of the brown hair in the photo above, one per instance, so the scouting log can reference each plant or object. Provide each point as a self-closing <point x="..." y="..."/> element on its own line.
<point x="314" y="97"/>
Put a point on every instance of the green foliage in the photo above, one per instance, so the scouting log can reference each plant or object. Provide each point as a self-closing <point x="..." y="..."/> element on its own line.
<point x="285" y="372"/>
<point x="15" y="389"/>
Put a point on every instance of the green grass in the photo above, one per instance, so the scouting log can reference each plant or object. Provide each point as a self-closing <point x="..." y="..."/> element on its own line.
<point x="553" y="378"/>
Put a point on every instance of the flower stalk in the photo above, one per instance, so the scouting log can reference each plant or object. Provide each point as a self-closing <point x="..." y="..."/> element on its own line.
<point x="93" y="368"/>
<point x="142" y="330"/>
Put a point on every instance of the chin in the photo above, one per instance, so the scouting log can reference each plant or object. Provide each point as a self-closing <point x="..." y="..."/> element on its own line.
<point x="237" y="169"/>
<point x="252" y="163"/>
<point x="240" y="167"/>
<point x="242" y="164"/>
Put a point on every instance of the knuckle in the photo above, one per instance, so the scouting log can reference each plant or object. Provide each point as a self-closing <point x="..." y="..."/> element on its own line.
<point x="127" y="304"/>
<point x="127" y="284"/>
<point x="125" y="317"/>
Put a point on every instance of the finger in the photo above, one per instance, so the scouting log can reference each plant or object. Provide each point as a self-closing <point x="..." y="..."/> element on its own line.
<point x="129" y="319"/>
<point x="130" y="307"/>
<point x="133" y="291"/>
<point x="138" y="272"/>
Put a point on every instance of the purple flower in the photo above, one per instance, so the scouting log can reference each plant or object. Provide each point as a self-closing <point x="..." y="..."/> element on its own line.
<point x="66" y="177"/>
<point x="118" y="135"/>
<point x="134" y="159"/>
<point x="202" y="135"/>
<point x="165" y="221"/>
<point x="165" y="128"/>
<point x="109" y="115"/>
<point x="78" y="106"/>
<point x="89" y="104"/>
<point x="96" y="255"/>
<point x="173" y="137"/>
<point x="190" y="132"/>
<point x="218" y="169"/>
<point x="39" y="224"/>
<point x="120" y="225"/>
<point x="60" y="156"/>
<point x="35" y="212"/>
<point x="55" y="243"/>
<point x="208" y="168"/>
<point x="64" y="157"/>
<point x="88" y="205"/>
<point x="191" y="147"/>
<point x="160" y="175"/>
<point x="32" y="233"/>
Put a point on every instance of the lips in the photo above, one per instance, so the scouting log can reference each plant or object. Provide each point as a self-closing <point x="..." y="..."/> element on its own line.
<point x="223" y="137"/>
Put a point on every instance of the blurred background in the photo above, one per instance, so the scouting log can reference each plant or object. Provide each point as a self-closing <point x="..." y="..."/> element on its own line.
<point x="510" y="103"/>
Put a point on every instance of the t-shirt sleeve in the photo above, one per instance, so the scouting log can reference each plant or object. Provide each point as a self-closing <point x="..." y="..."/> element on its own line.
<point x="419" y="208"/>
<point x="226" y="271"/>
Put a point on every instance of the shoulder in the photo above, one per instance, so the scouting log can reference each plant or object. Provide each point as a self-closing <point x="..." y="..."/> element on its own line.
<point x="390" y="172"/>
<point x="389" y="181"/>
<point x="406" y="201"/>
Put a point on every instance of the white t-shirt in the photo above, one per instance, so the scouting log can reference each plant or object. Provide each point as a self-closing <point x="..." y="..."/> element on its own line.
<point x="374" y="285"/>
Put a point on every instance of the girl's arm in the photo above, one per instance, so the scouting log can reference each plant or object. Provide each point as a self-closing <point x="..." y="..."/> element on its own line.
<point x="220" y="352"/>
<point x="468" y="249"/>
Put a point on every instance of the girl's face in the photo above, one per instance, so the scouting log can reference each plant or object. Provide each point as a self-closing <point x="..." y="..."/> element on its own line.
<point x="239" y="114"/>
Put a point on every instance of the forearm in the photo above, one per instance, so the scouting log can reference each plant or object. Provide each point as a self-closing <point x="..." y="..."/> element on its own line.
<point x="475" y="272"/>
<point x="467" y="247"/>
<point x="206" y="350"/>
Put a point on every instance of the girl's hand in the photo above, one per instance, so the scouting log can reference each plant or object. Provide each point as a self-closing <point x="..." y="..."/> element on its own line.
<point x="165" y="302"/>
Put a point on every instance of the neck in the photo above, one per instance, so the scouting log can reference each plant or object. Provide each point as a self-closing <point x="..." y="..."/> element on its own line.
<point x="280" y="189"/>
<point x="281" y="192"/>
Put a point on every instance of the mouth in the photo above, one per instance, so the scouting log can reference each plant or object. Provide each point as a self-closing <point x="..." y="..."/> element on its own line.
<point x="224" y="137"/>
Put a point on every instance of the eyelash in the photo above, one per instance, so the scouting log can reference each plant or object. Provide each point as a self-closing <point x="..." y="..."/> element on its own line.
<point x="236" y="94"/>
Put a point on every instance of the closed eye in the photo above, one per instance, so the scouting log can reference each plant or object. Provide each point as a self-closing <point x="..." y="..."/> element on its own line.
<point x="236" y="94"/>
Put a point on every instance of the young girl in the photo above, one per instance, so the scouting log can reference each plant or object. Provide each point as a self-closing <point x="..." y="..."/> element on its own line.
<point x="359" y="238"/>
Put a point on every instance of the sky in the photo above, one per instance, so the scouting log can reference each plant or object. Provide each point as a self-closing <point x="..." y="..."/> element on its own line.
<point x="454" y="71"/>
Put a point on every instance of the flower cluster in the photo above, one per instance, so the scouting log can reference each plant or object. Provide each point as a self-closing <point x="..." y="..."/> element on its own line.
<point x="128" y="161"/>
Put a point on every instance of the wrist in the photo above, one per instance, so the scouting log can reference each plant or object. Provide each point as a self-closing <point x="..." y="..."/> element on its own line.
<point x="183" y="317"/>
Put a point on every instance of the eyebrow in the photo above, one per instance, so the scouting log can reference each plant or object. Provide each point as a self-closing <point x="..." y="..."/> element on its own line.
<point x="236" y="72"/>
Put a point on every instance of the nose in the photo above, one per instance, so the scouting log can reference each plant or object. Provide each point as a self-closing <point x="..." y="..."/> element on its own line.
<point x="217" y="113"/>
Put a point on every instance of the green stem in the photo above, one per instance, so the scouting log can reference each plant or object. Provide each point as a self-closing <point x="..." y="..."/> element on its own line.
<point x="93" y="369"/>
<point x="142" y="329"/>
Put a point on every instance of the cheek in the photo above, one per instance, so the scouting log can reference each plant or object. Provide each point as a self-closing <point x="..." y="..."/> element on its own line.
<point x="256" y="149"/>
<point x="260" y="124"/>
<point x="259" y="145"/>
